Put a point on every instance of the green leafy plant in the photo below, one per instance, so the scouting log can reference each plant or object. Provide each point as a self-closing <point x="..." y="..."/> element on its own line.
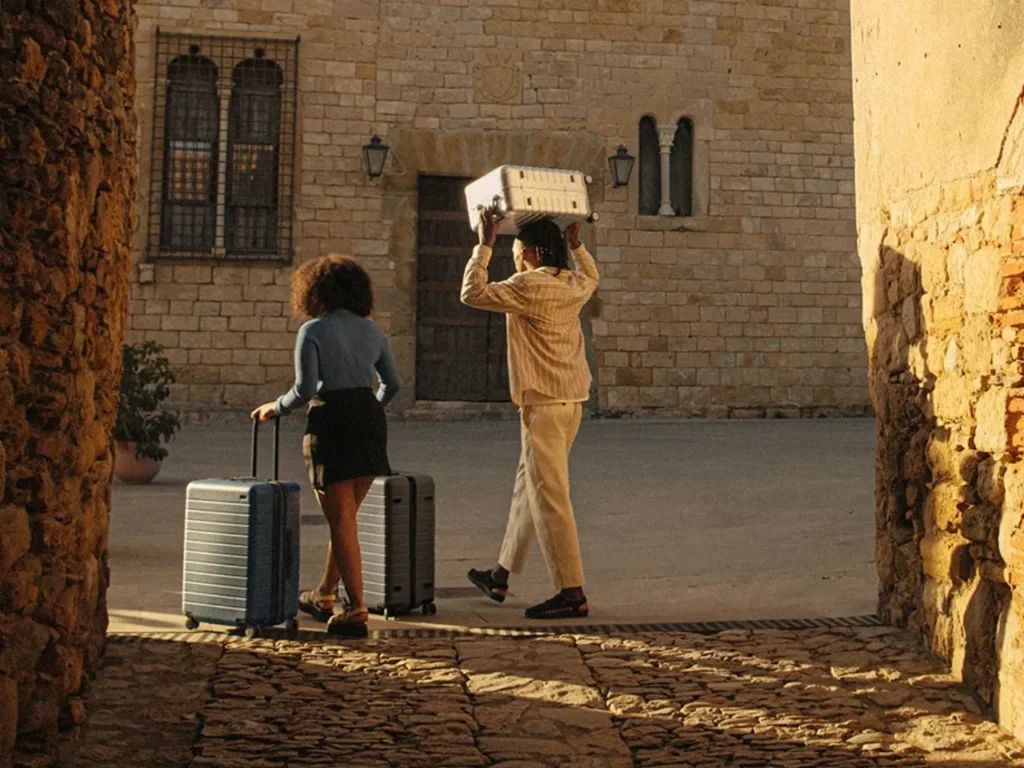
<point x="145" y="384"/>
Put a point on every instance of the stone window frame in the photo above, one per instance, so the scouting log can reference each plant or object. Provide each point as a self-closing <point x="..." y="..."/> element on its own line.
<point x="699" y="116"/>
<point x="227" y="53"/>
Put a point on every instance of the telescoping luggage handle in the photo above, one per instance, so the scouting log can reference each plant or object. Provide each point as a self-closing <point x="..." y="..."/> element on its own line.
<point x="255" y="444"/>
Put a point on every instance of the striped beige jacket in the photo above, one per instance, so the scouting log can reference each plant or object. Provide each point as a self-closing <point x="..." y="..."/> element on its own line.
<point x="546" y="356"/>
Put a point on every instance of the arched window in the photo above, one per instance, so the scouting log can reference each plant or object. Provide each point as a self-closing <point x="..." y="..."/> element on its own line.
<point x="254" y="149"/>
<point x="191" y="128"/>
<point x="650" y="168"/>
<point x="681" y="163"/>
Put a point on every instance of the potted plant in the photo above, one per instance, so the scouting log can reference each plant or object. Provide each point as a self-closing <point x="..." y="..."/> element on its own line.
<point x="142" y="424"/>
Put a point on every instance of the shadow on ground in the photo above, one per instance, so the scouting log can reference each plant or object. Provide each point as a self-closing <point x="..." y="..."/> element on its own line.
<point x="862" y="698"/>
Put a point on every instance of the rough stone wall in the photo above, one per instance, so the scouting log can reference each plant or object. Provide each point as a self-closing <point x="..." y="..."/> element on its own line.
<point x="941" y="224"/>
<point x="946" y="368"/>
<point x="749" y="307"/>
<point x="67" y="166"/>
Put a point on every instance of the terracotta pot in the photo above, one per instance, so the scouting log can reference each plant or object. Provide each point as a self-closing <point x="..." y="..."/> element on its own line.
<point x="132" y="469"/>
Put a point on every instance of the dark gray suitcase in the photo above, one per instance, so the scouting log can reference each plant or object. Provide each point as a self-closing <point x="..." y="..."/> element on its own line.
<point x="396" y="537"/>
<point x="241" y="564"/>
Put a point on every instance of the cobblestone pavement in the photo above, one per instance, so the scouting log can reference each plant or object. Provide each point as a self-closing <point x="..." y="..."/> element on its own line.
<point x="857" y="698"/>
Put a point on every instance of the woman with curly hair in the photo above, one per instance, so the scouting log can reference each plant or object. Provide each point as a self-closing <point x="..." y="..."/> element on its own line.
<point x="339" y="355"/>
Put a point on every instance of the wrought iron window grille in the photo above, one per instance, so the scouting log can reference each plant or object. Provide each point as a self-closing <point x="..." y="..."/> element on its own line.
<point x="223" y="148"/>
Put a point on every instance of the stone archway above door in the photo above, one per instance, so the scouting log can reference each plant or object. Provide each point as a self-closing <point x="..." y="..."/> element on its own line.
<point x="474" y="153"/>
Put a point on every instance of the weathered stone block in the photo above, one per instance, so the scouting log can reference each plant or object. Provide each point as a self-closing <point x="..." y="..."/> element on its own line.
<point x="983" y="281"/>
<point x="25" y="641"/>
<point x="943" y="508"/>
<point x="951" y="398"/>
<point x="15" y="535"/>
<point x="991" y="414"/>
<point x="8" y="715"/>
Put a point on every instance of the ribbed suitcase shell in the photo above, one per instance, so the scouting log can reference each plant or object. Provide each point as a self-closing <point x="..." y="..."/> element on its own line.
<point x="522" y="194"/>
<point x="241" y="563"/>
<point x="396" y="537"/>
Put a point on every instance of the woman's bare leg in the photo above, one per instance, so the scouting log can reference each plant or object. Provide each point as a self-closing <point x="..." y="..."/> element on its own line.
<point x="340" y="503"/>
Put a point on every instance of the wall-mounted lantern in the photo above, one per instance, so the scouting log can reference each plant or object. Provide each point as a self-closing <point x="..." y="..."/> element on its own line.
<point x="374" y="155"/>
<point x="621" y="165"/>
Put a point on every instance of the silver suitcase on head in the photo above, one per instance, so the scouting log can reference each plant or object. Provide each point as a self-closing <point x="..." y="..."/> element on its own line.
<point x="520" y="194"/>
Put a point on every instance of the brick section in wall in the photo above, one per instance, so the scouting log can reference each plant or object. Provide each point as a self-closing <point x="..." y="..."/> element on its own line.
<point x="228" y="330"/>
<point x="1011" y="317"/>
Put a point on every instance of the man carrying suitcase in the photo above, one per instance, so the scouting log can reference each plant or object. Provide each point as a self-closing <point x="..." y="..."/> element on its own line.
<point x="549" y="380"/>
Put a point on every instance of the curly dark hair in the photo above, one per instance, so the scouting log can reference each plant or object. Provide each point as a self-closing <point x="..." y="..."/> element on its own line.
<point x="331" y="282"/>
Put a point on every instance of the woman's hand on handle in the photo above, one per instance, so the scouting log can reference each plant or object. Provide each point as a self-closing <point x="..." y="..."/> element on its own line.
<point x="265" y="412"/>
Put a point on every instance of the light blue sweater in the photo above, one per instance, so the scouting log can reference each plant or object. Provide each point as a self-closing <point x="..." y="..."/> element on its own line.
<point x="340" y="351"/>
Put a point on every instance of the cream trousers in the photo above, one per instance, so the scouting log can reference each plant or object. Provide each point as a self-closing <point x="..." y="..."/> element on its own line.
<point x="541" y="507"/>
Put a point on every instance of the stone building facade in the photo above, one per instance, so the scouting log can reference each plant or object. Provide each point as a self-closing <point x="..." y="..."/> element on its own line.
<point x="941" y="220"/>
<point x="741" y="298"/>
<point x="67" y="172"/>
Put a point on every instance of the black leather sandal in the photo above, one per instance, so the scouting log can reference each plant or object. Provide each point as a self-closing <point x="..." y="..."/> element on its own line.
<point x="559" y="607"/>
<point x="484" y="581"/>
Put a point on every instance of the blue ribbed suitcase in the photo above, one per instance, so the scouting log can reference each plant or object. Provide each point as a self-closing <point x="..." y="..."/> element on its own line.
<point x="241" y="564"/>
<point x="396" y="538"/>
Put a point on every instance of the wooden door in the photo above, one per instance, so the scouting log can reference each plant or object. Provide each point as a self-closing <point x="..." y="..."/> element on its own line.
<point x="460" y="351"/>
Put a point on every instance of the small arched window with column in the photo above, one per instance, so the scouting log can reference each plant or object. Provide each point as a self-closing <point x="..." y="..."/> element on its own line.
<point x="666" y="168"/>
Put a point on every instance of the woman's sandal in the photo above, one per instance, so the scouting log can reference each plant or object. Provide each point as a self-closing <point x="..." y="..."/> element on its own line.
<point x="349" y="623"/>
<point x="320" y="607"/>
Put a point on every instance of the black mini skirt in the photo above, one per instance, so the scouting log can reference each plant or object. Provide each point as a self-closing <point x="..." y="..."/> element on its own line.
<point x="346" y="437"/>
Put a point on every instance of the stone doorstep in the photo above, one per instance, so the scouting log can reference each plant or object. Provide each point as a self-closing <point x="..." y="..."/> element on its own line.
<point x="721" y="412"/>
<point x="194" y="415"/>
<point x="232" y="416"/>
<point x="456" y="411"/>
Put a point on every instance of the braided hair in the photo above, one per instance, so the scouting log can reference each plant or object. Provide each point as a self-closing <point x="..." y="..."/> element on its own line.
<point x="547" y="238"/>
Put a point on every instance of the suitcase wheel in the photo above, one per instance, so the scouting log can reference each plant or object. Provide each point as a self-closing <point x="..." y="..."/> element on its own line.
<point x="429" y="609"/>
<point x="292" y="627"/>
<point x="251" y="631"/>
<point x="191" y="622"/>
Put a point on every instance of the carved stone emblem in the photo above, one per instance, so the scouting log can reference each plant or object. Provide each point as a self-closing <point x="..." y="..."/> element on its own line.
<point x="498" y="76"/>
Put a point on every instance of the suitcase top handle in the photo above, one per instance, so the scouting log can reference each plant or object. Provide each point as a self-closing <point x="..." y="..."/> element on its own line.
<point x="277" y="442"/>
